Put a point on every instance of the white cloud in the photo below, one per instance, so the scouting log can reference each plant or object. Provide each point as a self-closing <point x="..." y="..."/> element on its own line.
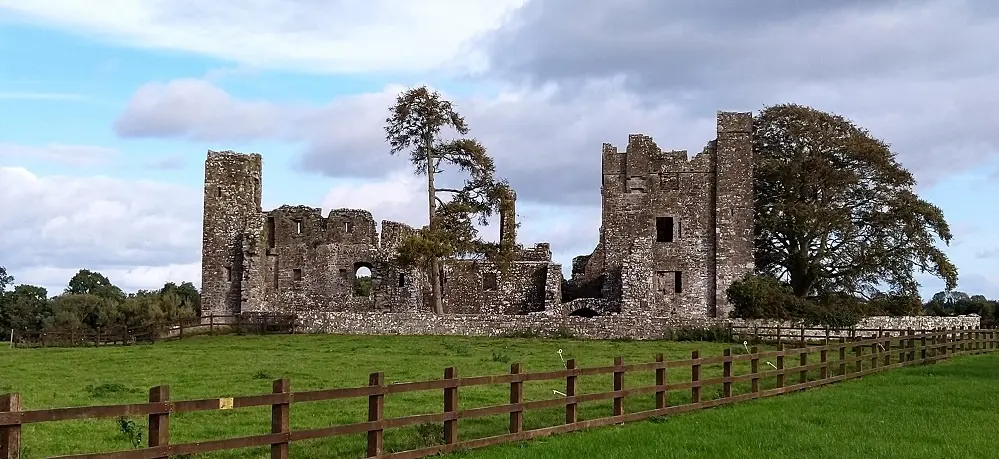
<point x="139" y="233"/>
<point x="80" y="155"/>
<point x="324" y="36"/>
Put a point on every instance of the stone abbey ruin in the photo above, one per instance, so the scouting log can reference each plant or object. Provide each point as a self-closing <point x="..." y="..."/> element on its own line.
<point x="675" y="233"/>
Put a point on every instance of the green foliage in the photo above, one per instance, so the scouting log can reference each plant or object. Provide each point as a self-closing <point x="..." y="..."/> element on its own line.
<point x="953" y="303"/>
<point x="836" y="212"/>
<point x="362" y="286"/>
<point x="5" y="279"/>
<point x="763" y="297"/>
<point x="90" y="282"/>
<point x="714" y="333"/>
<point x="91" y="303"/>
<point x="131" y="430"/>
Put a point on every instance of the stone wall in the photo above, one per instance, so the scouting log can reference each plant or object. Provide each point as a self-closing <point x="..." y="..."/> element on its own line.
<point x="676" y="230"/>
<point x="231" y="207"/>
<point x="555" y="324"/>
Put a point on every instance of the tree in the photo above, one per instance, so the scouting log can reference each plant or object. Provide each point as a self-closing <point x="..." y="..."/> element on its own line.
<point x="94" y="283"/>
<point x="835" y="211"/>
<point x="414" y="124"/>
<point x="25" y="309"/>
<point x="6" y="280"/>
<point x="188" y="294"/>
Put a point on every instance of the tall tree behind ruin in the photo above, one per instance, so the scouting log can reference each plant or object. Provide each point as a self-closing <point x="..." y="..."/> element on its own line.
<point x="835" y="211"/>
<point x="414" y="124"/>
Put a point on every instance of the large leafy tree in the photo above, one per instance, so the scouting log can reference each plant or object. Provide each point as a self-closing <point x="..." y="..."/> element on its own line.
<point x="94" y="283"/>
<point x="836" y="212"/>
<point x="417" y="123"/>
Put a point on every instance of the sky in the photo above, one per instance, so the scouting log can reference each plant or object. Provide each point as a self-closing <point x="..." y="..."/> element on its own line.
<point x="108" y="109"/>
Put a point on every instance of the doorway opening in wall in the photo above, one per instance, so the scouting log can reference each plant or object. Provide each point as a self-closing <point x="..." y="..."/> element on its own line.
<point x="362" y="279"/>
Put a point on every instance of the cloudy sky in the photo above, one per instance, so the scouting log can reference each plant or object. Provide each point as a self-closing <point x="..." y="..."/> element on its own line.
<point x="107" y="108"/>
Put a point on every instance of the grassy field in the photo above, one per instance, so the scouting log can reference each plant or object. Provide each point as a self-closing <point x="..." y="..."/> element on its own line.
<point x="915" y="412"/>
<point x="949" y="410"/>
<point x="206" y="367"/>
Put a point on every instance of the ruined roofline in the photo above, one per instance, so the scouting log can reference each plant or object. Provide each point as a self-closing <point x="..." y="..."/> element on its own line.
<point x="725" y="123"/>
<point x="212" y="154"/>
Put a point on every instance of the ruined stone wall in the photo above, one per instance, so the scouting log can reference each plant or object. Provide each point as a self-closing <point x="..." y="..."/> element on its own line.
<point x="697" y="212"/>
<point x="311" y="263"/>
<point x="605" y="327"/>
<point x="231" y="208"/>
<point x="733" y="204"/>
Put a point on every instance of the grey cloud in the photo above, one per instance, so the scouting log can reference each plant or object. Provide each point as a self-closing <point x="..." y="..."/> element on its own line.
<point x="913" y="72"/>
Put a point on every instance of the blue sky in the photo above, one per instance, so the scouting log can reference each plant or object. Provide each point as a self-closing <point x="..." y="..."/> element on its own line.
<point x="107" y="110"/>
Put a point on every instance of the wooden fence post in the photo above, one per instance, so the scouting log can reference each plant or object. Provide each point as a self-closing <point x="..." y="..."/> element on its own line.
<point x="159" y="424"/>
<point x="516" y="397"/>
<point x="661" y="399"/>
<point x="911" y="344"/>
<point x="778" y="336"/>
<point x="376" y="412"/>
<point x="571" y="413"/>
<point x="780" y="367"/>
<point x="803" y="362"/>
<point x="922" y="348"/>
<point x="727" y="374"/>
<point x="618" y="386"/>
<point x="887" y="351"/>
<point x="10" y="436"/>
<point x="803" y="341"/>
<point x="858" y="353"/>
<point x="695" y="377"/>
<point x="451" y="406"/>
<point x="875" y="354"/>
<point x="754" y="369"/>
<point x="824" y="360"/>
<point x="842" y="355"/>
<point x="281" y="419"/>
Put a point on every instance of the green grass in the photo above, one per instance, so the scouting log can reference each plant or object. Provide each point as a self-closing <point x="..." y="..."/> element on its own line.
<point x="935" y="411"/>
<point x="947" y="410"/>
<point x="207" y="367"/>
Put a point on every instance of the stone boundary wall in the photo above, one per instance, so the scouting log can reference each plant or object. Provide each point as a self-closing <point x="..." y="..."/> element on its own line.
<point x="601" y="327"/>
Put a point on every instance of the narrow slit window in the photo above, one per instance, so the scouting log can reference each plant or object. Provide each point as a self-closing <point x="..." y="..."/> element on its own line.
<point x="297" y="273"/>
<point x="228" y="273"/>
<point x="298" y="226"/>
<point x="271" y="227"/>
<point x="348" y="227"/>
<point x="218" y="192"/>
<point x="677" y="282"/>
<point x="402" y="279"/>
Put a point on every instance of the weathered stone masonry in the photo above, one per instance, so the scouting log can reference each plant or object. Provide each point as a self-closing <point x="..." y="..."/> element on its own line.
<point x="675" y="233"/>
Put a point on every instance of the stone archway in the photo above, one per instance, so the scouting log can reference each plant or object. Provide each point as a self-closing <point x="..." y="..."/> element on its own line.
<point x="363" y="274"/>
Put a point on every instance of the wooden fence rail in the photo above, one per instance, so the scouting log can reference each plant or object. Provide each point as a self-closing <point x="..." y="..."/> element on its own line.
<point x="884" y="353"/>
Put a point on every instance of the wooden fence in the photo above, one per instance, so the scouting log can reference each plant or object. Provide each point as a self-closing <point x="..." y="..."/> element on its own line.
<point x="849" y="359"/>
<point x="124" y="335"/>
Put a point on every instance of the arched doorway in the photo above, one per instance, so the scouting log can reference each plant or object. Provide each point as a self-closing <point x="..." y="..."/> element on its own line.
<point x="362" y="279"/>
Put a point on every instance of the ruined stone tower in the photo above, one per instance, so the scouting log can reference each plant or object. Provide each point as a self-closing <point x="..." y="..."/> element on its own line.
<point x="231" y="205"/>
<point x="675" y="232"/>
